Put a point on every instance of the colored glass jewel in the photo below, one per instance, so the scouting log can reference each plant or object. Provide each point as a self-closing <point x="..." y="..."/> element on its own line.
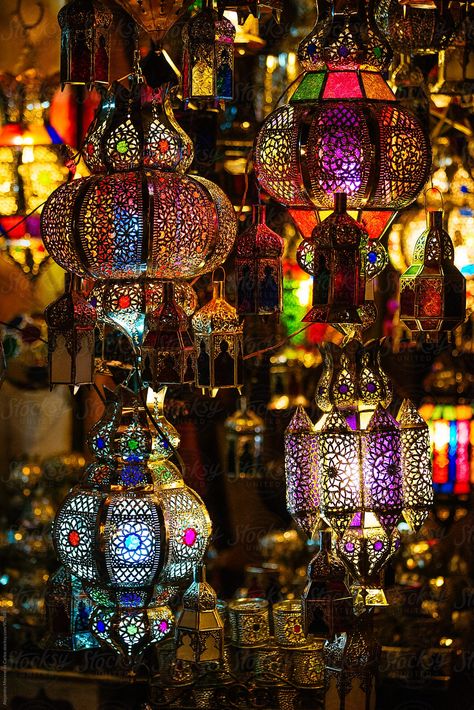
<point x="189" y="536"/>
<point x="100" y="443"/>
<point x="74" y="538"/>
<point x="378" y="545"/>
<point x="163" y="625"/>
<point x="133" y="444"/>
<point x="124" y="301"/>
<point x="122" y="146"/>
<point x="100" y="626"/>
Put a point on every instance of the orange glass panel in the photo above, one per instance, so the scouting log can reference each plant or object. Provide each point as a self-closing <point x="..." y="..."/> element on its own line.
<point x="376" y="222"/>
<point x="305" y="220"/>
<point x="376" y="87"/>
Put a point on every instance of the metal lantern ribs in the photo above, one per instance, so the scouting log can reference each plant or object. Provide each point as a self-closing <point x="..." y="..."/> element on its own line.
<point x="85" y="42"/>
<point x="433" y="290"/>
<point x="218" y="338"/>
<point x="208" y="57"/>
<point x="258" y="268"/>
<point x="168" y="348"/>
<point x="71" y="320"/>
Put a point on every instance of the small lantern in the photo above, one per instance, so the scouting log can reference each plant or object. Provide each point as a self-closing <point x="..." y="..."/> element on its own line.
<point x="326" y="602"/>
<point x="258" y="268"/>
<point x="85" y="42"/>
<point x="244" y="437"/>
<point x="199" y="628"/>
<point x="168" y="350"/>
<point x="257" y="8"/>
<point x="71" y="320"/>
<point x="208" y="61"/>
<point x="301" y="486"/>
<point x="218" y="338"/>
<point x="417" y="28"/>
<point x="333" y="256"/>
<point x="432" y="289"/>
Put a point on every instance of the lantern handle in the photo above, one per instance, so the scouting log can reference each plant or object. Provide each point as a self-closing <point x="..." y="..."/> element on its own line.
<point x="223" y="274"/>
<point x="432" y="188"/>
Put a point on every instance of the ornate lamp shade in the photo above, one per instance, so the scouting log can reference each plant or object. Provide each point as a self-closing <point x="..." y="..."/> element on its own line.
<point x="208" y="57"/>
<point x="258" y="268"/>
<point x="456" y="62"/>
<point x="85" y="42"/>
<point x="68" y="614"/>
<point x="71" y="320"/>
<point x="326" y="602"/>
<point x="410" y="88"/>
<point x="257" y="8"/>
<point x="413" y="29"/>
<point x="302" y="497"/>
<point x="321" y="143"/>
<point x="199" y="629"/>
<point x="244" y="440"/>
<point x="154" y="16"/>
<point x="218" y="338"/>
<point x="433" y="290"/>
<point x="168" y="348"/>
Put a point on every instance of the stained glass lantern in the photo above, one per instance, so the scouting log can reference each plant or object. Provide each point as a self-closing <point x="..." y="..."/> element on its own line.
<point x="168" y="347"/>
<point x="433" y="290"/>
<point x="199" y="627"/>
<point x="218" y="338"/>
<point x="144" y="218"/>
<point x="244" y="443"/>
<point x="71" y="320"/>
<point x="302" y="497"/>
<point x="322" y="142"/>
<point x="258" y="268"/>
<point x="414" y="29"/>
<point x="68" y="614"/>
<point x="326" y="602"/>
<point x="208" y="56"/>
<point x="85" y="42"/>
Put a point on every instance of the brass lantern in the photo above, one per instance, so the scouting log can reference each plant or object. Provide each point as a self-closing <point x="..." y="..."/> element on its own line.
<point x="300" y="470"/>
<point x="244" y="439"/>
<point x="432" y="289"/>
<point x="409" y="27"/>
<point x="218" y="338"/>
<point x="208" y="59"/>
<point x="85" y="42"/>
<point x="71" y="320"/>
<point x="199" y="627"/>
<point x="168" y="349"/>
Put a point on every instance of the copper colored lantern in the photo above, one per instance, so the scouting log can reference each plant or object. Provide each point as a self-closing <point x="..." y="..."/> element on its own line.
<point x="85" y="42"/>
<point x="432" y="289"/>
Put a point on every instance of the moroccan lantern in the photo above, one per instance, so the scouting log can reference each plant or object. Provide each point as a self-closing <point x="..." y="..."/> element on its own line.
<point x="258" y="268"/>
<point x="208" y="56"/>
<point x="244" y="439"/>
<point x="409" y="28"/>
<point x="322" y="141"/>
<point x="156" y="17"/>
<point x="199" y="629"/>
<point x="257" y="8"/>
<point x="71" y="320"/>
<point x="168" y="347"/>
<point x="85" y="42"/>
<point x="433" y="290"/>
<point x="410" y="88"/>
<point x="456" y="63"/>
<point x="301" y="486"/>
<point x="218" y="338"/>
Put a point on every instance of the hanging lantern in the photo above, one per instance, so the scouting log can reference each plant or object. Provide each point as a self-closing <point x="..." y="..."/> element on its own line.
<point x="244" y="440"/>
<point x="68" y="612"/>
<point x="199" y="628"/>
<point x="208" y="59"/>
<point x="456" y="63"/>
<point x="168" y="348"/>
<point x="218" y="338"/>
<point x="154" y="16"/>
<point x="85" y="42"/>
<point x="410" y="88"/>
<point x="322" y="142"/>
<point x="433" y="290"/>
<point x="301" y="486"/>
<point x="258" y="268"/>
<point x="71" y="321"/>
<point x="257" y="8"/>
<point x="326" y="602"/>
<point x="412" y="29"/>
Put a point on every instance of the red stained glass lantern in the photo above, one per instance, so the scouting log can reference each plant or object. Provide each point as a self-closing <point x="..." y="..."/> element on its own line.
<point x="258" y="268"/>
<point x="168" y="348"/>
<point x="71" y="321"/>
<point x="432" y="289"/>
<point x="85" y="42"/>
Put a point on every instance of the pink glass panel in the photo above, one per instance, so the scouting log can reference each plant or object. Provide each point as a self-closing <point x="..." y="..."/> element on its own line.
<point x="342" y="85"/>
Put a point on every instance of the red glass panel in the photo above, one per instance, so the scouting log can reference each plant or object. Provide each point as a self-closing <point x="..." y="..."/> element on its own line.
<point x="462" y="484"/>
<point x="376" y="222"/>
<point x="342" y="85"/>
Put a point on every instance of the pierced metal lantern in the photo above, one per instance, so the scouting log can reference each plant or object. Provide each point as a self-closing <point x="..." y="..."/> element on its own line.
<point x="199" y="628"/>
<point x="258" y="268"/>
<point x="326" y="602"/>
<point x="154" y="16"/>
<point x="456" y="63"/>
<point x="208" y="56"/>
<point x="433" y="290"/>
<point x="302" y="497"/>
<point x="244" y="441"/>
<point x="411" y="89"/>
<point x="168" y="347"/>
<point x="85" y="42"/>
<point x="416" y="30"/>
<point x="71" y="320"/>
<point x="68" y="614"/>
<point x="218" y="338"/>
